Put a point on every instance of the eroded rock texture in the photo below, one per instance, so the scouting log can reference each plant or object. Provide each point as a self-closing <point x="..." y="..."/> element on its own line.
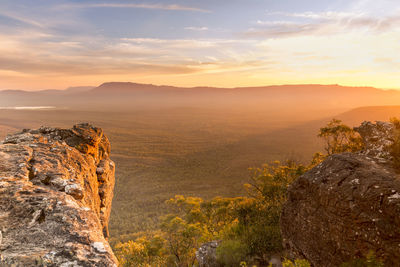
<point x="56" y="189"/>
<point x="347" y="205"/>
<point x="206" y="255"/>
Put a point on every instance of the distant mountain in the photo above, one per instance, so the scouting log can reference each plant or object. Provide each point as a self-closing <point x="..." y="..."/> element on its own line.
<point x="129" y="87"/>
<point x="378" y="113"/>
<point x="311" y="92"/>
<point x="283" y="97"/>
<point x="48" y="97"/>
<point x="78" y="89"/>
<point x="69" y="90"/>
<point x="279" y="99"/>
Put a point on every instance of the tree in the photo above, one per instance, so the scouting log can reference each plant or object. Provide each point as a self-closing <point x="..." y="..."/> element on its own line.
<point x="183" y="239"/>
<point x="258" y="217"/>
<point x="142" y="252"/>
<point x="340" y="138"/>
<point x="270" y="183"/>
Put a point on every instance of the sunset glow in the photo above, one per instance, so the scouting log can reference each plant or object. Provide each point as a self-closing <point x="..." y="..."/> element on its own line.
<point x="56" y="44"/>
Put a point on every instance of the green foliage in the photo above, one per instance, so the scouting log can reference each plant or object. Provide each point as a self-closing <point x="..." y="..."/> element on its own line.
<point x="213" y="215"/>
<point x="340" y="138"/>
<point x="270" y="183"/>
<point x="296" y="263"/>
<point x="183" y="239"/>
<point x="212" y="219"/>
<point x="248" y="226"/>
<point x="258" y="220"/>
<point x="142" y="252"/>
<point x="231" y="252"/>
<point x="368" y="261"/>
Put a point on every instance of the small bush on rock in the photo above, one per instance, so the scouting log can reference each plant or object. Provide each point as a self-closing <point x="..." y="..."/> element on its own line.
<point x="340" y="138"/>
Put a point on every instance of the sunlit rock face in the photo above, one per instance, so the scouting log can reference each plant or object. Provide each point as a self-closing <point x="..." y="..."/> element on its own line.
<point x="56" y="189"/>
<point x="347" y="205"/>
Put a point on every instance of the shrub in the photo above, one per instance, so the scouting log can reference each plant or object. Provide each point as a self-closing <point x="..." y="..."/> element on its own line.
<point x="296" y="263"/>
<point x="231" y="253"/>
<point x="142" y="252"/>
<point x="340" y="138"/>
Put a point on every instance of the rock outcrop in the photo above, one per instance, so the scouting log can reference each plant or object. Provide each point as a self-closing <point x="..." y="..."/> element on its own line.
<point x="347" y="205"/>
<point x="378" y="138"/>
<point x="206" y="255"/>
<point x="56" y="189"/>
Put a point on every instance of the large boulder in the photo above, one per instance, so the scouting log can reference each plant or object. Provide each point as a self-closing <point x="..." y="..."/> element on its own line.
<point x="56" y="189"/>
<point x="347" y="206"/>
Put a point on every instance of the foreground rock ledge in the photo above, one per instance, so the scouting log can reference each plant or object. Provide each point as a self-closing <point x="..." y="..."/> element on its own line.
<point x="56" y="189"/>
<point x="347" y="205"/>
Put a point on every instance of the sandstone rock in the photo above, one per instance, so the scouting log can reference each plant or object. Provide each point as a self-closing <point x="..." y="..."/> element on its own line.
<point x="347" y="205"/>
<point x="54" y="205"/>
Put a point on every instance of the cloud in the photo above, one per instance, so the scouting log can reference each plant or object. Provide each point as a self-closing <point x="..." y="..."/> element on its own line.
<point x="76" y="67"/>
<point x="22" y="19"/>
<point x="172" y="7"/>
<point x="323" y="23"/>
<point x="328" y="15"/>
<point x="196" y="29"/>
<point x="188" y="44"/>
<point x="276" y="29"/>
<point x="39" y="54"/>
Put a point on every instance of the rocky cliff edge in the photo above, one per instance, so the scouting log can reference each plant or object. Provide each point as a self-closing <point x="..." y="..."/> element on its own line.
<point x="56" y="189"/>
<point x="348" y="205"/>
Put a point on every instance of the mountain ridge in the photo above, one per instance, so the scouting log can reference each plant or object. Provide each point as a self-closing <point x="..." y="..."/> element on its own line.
<point x="127" y="96"/>
<point x="146" y="85"/>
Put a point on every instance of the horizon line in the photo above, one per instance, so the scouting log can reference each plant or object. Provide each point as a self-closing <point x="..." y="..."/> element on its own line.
<point x="201" y="86"/>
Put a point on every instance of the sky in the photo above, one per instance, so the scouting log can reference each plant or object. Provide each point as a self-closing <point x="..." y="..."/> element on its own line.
<point x="54" y="44"/>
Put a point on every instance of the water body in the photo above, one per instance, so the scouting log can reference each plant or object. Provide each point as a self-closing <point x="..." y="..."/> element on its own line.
<point x="28" y="108"/>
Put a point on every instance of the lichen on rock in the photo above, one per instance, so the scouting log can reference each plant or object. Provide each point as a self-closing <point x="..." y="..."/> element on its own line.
<point x="54" y="204"/>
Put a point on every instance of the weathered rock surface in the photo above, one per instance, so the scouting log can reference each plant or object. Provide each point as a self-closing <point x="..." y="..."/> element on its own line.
<point x="377" y="137"/>
<point x="347" y="205"/>
<point x="56" y="189"/>
<point x="206" y="255"/>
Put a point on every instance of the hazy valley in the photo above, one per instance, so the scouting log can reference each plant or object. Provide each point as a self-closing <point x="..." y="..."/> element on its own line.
<point x="196" y="141"/>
